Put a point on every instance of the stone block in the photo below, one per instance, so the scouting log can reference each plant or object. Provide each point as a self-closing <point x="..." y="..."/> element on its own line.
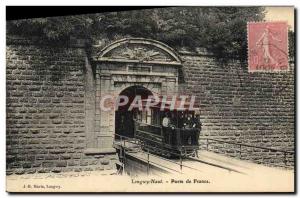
<point x="56" y="170"/>
<point x="61" y="163"/>
<point x="19" y="171"/>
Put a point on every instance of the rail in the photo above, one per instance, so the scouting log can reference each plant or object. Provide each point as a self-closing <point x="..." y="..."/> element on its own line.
<point x="123" y="140"/>
<point x="159" y="126"/>
<point x="155" y="125"/>
<point x="240" y="145"/>
<point x="155" y="129"/>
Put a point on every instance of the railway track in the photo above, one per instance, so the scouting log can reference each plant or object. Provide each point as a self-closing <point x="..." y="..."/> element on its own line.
<point x="134" y="149"/>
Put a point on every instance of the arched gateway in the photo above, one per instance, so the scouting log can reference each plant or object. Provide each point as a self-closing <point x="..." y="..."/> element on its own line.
<point x="123" y="66"/>
<point x="123" y="115"/>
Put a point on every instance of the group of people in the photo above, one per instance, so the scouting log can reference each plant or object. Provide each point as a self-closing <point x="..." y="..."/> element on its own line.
<point x="181" y="120"/>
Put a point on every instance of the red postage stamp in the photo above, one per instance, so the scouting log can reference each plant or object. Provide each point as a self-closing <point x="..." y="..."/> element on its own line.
<point x="267" y="47"/>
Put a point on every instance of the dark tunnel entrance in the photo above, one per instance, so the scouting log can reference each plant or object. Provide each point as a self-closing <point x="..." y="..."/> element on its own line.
<point x="124" y="125"/>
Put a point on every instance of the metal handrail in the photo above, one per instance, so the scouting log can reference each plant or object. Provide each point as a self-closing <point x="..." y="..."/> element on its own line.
<point x="180" y="155"/>
<point x="155" y="125"/>
<point x="180" y="164"/>
<point x="248" y="145"/>
<point x="125" y="137"/>
<point x="160" y="126"/>
<point x="251" y="146"/>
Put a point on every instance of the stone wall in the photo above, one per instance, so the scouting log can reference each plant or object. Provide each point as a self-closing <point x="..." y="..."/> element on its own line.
<point x="45" y="109"/>
<point x="48" y="91"/>
<point x="241" y="107"/>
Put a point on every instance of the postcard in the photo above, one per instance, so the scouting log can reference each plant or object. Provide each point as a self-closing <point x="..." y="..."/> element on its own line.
<point x="172" y="99"/>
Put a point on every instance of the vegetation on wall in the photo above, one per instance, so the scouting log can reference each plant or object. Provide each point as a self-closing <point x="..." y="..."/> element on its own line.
<point x="221" y="30"/>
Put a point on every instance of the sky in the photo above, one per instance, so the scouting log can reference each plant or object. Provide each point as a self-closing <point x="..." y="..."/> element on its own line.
<point x="281" y="14"/>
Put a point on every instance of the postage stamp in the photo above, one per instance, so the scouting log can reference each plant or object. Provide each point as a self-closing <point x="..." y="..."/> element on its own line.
<point x="267" y="46"/>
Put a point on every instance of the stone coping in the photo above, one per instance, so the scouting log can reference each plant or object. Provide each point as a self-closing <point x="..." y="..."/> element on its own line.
<point x="99" y="151"/>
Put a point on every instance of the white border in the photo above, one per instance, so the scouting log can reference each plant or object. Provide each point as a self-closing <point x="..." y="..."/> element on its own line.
<point x="3" y="3"/>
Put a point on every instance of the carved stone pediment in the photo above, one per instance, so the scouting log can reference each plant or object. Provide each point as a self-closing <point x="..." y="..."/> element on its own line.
<point x="138" y="50"/>
<point x="140" y="53"/>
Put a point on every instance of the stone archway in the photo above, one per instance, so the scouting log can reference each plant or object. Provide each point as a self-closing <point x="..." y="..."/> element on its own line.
<point x="123" y="116"/>
<point x="125" y="63"/>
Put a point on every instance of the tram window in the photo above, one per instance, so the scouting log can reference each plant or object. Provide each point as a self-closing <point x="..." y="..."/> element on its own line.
<point x="139" y="116"/>
<point x="155" y="117"/>
<point x="144" y="116"/>
<point x="148" y="119"/>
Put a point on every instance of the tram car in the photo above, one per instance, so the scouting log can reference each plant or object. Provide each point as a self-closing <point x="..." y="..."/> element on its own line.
<point x="172" y="131"/>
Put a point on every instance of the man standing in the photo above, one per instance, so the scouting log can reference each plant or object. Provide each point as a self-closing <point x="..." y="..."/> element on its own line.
<point x="166" y="121"/>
